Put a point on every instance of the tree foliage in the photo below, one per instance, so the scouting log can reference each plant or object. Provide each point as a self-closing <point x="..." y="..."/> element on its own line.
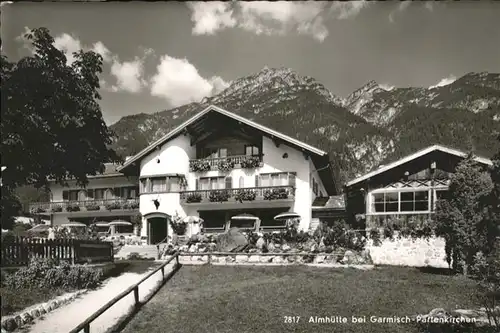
<point x="464" y="218"/>
<point x="52" y="125"/>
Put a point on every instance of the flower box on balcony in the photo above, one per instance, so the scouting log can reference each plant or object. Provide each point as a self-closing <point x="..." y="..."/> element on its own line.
<point x="113" y="205"/>
<point x="131" y="205"/>
<point x="193" y="198"/>
<point x="276" y="194"/>
<point x="56" y="209"/>
<point x="218" y="196"/>
<point x="225" y="165"/>
<point x="199" y="166"/>
<point x="92" y="207"/>
<point x="250" y="162"/>
<point x="38" y="210"/>
<point x="73" y="207"/>
<point x="245" y="195"/>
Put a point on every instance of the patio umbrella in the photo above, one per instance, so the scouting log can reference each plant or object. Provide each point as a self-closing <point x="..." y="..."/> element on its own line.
<point x="74" y="224"/>
<point x="119" y="222"/>
<point x="101" y="224"/>
<point x="193" y="219"/>
<point x="286" y="216"/>
<point x="39" y="228"/>
<point x="244" y="217"/>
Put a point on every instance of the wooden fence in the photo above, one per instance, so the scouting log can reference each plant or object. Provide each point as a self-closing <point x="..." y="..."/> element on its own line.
<point x="19" y="251"/>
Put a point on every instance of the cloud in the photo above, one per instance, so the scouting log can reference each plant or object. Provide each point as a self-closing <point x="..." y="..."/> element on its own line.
<point x="179" y="82"/>
<point x="128" y="75"/>
<point x="209" y="17"/>
<point x="444" y="82"/>
<point x="271" y="18"/>
<point x="68" y="44"/>
<point x="101" y="49"/>
<point x="401" y="8"/>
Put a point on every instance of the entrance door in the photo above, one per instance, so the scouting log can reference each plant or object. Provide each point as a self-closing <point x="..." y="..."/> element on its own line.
<point x="158" y="229"/>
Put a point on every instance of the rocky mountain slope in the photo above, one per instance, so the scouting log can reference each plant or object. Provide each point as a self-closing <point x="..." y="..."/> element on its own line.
<point x="371" y="126"/>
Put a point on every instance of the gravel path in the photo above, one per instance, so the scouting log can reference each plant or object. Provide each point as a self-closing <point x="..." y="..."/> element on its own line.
<point x="68" y="317"/>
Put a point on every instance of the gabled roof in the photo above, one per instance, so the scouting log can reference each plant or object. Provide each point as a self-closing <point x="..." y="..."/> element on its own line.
<point x="418" y="154"/>
<point x="213" y="108"/>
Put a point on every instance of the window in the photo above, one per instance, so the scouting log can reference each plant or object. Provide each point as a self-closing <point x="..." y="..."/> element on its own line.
<point x="213" y="221"/>
<point x="214" y="152"/>
<point x="73" y="195"/>
<point x="158" y="184"/>
<point x="401" y="202"/>
<point x="441" y="194"/>
<point x="276" y="179"/>
<point x="211" y="183"/>
<point x="267" y="221"/>
<point x="386" y="202"/>
<point x="251" y="150"/>
<point x="243" y="223"/>
<point x="98" y="194"/>
<point x="414" y="201"/>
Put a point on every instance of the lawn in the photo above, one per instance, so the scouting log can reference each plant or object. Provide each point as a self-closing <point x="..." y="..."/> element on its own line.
<point x="14" y="300"/>
<point x="259" y="299"/>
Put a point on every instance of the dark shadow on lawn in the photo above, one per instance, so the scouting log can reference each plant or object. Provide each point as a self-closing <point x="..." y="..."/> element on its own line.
<point x="435" y="270"/>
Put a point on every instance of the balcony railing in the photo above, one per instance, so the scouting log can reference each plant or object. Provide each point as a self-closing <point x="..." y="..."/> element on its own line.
<point x="84" y="205"/>
<point x="225" y="163"/>
<point x="248" y="194"/>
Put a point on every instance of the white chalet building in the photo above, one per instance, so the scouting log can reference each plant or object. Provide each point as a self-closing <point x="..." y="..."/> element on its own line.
<point x="215" y="165"/>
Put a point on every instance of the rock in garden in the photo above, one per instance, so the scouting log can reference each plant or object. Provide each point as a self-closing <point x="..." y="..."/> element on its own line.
<point x="10" y="325"/>
<point x="230" y="240"/>
<point x="203" y="239"/>
<point x="349" y="258"/>
<point x="271" y="247"/>
<point x="286" y="248"/>
<point x="26" y="318"/>
<point x="367" y="258"/>
<point x="260" y="243"/>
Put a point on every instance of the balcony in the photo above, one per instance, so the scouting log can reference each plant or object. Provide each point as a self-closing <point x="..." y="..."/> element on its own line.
<point x="239" y="195"/>
<point x="225" y="163"/>
<point x="84" y="206"/>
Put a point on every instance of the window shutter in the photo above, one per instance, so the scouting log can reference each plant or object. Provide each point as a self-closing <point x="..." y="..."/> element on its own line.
<point x="197" y="184"/>
<point x="65" y="195"/>
<point x="257" y="181"/>
<point x="117" y="192"/>
<point x="292" y="179"/>
<point x="229" y="182"/>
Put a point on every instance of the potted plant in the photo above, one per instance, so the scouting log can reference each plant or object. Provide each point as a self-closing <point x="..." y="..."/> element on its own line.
<point x="56" y="209"/>
<point x="245" y="195"/>
<point x="113" y="205"/>
<point x="199" y="166"/>
<point x="225" y="165"/>
<point x="250" y="162"/>
<point x="92" y="206"/>
<point x="276" y="194"/>
<point x="73" y="207"/>
<point x="179" y="227"/>
<point x="218" y="196"/>
<point x="193" y="197"/>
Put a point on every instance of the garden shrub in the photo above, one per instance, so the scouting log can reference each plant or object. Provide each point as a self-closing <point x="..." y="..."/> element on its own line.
<point x="375" y="236"/>
<point x="45" y="273"/>
<point x="389" y="232"/>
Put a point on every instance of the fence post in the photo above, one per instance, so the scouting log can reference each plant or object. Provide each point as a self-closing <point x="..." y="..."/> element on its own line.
<point x="136" y="295"/>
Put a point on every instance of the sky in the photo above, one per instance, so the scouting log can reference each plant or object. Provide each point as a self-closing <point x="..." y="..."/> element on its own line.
<point x="165" y="54"/>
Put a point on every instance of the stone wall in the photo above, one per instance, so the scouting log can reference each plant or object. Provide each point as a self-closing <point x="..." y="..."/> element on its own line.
<point x="409" y="252"/>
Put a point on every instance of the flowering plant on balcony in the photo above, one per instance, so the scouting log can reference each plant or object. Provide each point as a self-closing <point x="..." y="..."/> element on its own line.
<point x="276" y="194"/>
<point x="245" y="195"/>
<point x="199" y="166"/>
<point x="113" y="205"/>
<point x="250" y="162"/>
<point x="131" y="205"/>
<point x="73" y="207"/>
<point x="92" y="206"/>
<point x="38" y="210"/>
<point x="193" y="197"/>
<point x="225" y="165"/>
<point x="56" y="209"/>
<point x="218" y="196"/>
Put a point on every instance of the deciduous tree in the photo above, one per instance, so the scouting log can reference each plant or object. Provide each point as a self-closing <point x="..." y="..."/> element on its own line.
<point x="52" y="125"/>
